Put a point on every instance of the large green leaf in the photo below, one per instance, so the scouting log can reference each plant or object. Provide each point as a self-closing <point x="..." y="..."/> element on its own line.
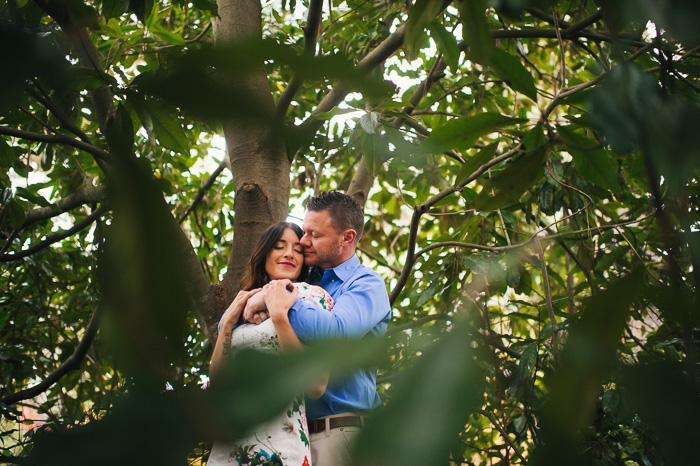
<point x="509" y="68"/>
<point x="166" y="36"/>
<point x="474" y="162"/>
<point x="462" y="133"/>
<point x="476" y="30"/>
<point x="593" y="163"/>
<point x="420" y="15"/>
<point x="586" y="360"/>
<point x="431" y="403"/>
<point x="32" y="196"/>
<point x="163" y="125"/>
<point x="7" y="155"/>
<point x="508" y="186"/>
<point x="446" y="44"/>
<point x="375" y="150"/>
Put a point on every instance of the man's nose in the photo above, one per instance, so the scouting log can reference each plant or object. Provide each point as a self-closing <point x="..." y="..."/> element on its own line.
<point x="305" y="241"/>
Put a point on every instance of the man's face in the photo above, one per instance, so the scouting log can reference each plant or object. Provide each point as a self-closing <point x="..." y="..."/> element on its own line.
<point x="321" y="241"/>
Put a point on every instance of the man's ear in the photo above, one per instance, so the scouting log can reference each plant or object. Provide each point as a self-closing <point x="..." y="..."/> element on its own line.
<point x="349" y="237"/>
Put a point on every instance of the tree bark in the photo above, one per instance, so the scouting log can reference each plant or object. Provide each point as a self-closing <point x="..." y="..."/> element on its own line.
<point x="259" y="165"/>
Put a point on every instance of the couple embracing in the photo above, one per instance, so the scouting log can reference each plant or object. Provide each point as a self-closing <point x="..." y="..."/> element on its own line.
<point x="351" y="302"/>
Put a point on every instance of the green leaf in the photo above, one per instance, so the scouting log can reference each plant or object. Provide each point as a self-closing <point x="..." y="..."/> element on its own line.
<point x="80" y="79"/>
<point x="32" y="197"/>
<point x="430" y="404"/>
<point x="511" y="70"/>
<point x="420" y="15"/>
<point x="6" y="196"/>
<point x="162" y="125"/>
<point x="122" y="130"/>
<point x="528" y="359"/>
<point x="507" y="187"/>
<point x="429" y="291"/>
<point x="545" y="198"/>
<point x="446" y="43"/>
<point x="331" y="113"/>
<point x="368" y="122"/>
<point x="111" y="9"/>
<point x="212" y="7"/>
<point x="476" y="30"/>
<point x="403" y="147"/>
<point x="47" y="157"/>
<point x="166" y="36"/>
<point x="594" y="164"/>
<point x="16" y="212"/>
<point x="375" y="150"/>
<point x="586" y="360"/>
<point x="7" y="155"/>
<point x="462" y="133"/>
<point x="473" y="163"/>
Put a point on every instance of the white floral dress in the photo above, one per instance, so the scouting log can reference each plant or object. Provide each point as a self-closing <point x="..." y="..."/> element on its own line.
<point x="285" y="439"/>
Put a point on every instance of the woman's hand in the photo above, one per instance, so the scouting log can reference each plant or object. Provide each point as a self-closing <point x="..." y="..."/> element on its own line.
<point x="255" y="310"/>
<point x="234" y="311"/>
<point x="229" y="319"/>
<point x="280" y="295"/>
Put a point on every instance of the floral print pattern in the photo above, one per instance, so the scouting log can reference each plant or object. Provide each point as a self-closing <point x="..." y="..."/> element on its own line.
<point x="285" y="440"/>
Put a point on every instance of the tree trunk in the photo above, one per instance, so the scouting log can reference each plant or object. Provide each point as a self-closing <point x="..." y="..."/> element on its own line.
<point x="259" y="165"/>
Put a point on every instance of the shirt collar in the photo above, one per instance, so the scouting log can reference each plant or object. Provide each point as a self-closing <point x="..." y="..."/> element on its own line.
<point x="346" y="269"/>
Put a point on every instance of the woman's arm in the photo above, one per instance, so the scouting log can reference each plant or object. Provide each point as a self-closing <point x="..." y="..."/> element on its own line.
<point x="280" y="295"/>
<point x="228" y="320"/>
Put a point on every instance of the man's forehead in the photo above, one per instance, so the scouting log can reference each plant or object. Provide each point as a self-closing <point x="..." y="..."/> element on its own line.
<point x="317" y="217"/>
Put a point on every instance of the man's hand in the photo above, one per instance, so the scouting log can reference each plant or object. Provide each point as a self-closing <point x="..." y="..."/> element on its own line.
<point x="255" y="310"/>
<point x="280" y="296"/>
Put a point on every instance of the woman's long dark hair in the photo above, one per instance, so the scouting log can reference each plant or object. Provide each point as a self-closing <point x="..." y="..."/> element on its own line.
<point x="255" y="276"/>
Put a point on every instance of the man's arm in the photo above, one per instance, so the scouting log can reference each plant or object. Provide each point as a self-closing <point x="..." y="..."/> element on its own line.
<point x="356" y="312"/>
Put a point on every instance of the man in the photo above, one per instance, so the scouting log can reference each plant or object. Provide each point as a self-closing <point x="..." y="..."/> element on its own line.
<point x="332" y="227"/>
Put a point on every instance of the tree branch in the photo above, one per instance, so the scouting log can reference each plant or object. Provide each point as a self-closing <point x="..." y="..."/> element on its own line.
<point x="85" y="194"/>
<point x="547" y="293"/>
<point x="570" y="28"/>
<point x="504" y="434"/>
<point x="574" y="234"/>
<point x="55" y="237"/>
<point x="89" y="57"/>
<point x="56" y="139"/>
<point x="377" y="56"/>
<point x="419" y="210"/>
<point x="313" y="22"/>
<point x="580" y="87"/>
<point x="65" y="122"/>
<point x="70" y="364"/>
<point x="207" y="185"/>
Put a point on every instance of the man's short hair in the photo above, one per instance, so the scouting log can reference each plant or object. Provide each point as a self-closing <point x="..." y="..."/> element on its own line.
<point x="345" y="211"/>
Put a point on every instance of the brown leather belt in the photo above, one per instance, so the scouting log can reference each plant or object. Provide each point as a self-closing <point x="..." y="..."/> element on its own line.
<point x="319" y="425"/>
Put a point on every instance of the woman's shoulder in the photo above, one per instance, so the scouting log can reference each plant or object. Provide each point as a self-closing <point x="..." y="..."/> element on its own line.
<point x="314" y="294"/>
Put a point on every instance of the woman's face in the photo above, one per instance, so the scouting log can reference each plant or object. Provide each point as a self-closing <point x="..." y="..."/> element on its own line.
<point x="285" y="258"/>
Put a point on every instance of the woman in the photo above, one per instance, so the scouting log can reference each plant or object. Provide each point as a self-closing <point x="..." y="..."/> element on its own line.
<point x="278" y="260"/>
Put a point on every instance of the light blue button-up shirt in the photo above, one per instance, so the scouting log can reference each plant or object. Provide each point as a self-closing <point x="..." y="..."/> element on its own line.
<point x="361" y="309"/>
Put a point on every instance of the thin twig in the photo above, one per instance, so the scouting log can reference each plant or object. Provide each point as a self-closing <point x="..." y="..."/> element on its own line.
<point x="202" y="191"/>
<point x="504" y="434"/>
<point x="57" y="139"/>
<point x="55" y="237"/>
<point x="547" y="293"/>
<point x="70" y="364"/>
